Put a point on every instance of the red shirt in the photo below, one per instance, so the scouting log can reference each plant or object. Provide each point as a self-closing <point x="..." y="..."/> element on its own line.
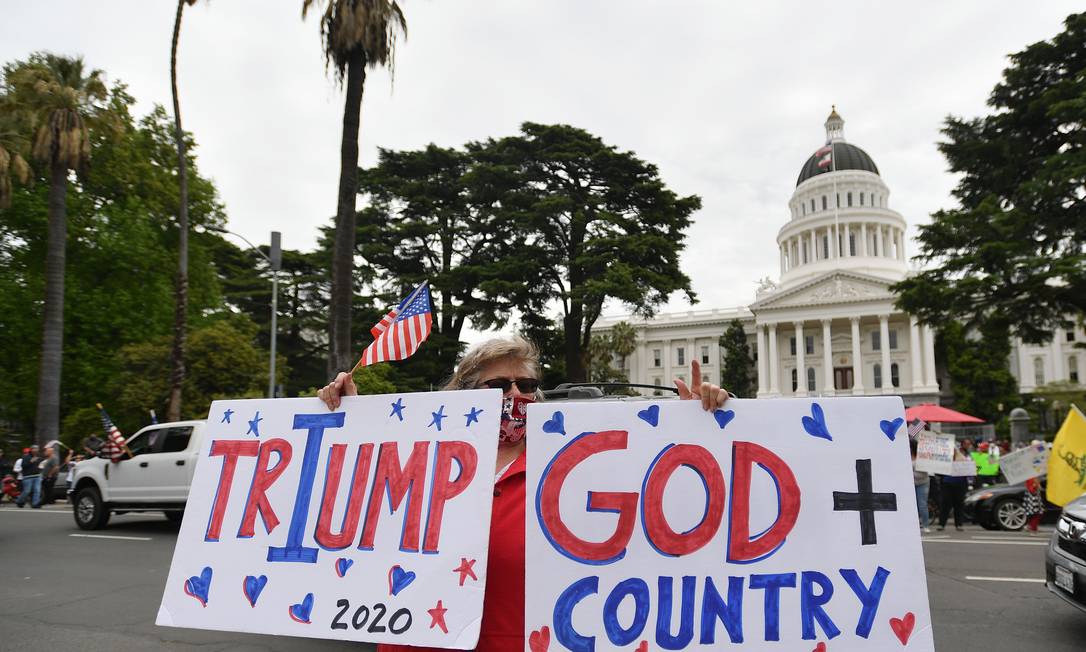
<point x="503" y="600"/>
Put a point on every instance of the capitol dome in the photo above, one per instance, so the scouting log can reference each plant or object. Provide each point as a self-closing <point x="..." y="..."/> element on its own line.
<point x="846" y="156"/>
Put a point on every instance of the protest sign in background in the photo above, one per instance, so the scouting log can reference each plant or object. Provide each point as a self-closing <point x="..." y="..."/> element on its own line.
<point x="935" y="453"/>
<point x="369" y="523"/>
<point x="1026" y="463"/>
<point x="774" y="524"/>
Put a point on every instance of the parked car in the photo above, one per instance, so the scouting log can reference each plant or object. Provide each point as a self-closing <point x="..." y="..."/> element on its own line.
<point x="1065" y="559"/>
<point x="1002" y="506"/>
<point x="155" y="478"/>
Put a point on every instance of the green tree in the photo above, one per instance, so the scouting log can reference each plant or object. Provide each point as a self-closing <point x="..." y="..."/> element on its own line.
<point x="181" y="297"/>
<point x="13" y="144"/>
<point x="607" y="348"/>
<point x="63" y="100"/>
<point x="356" y="34"/>
<point x="976" y="361"/>
<point x="596" y="223"/>
<point x="1012" y="249"/>
<point x="735" y="372"/>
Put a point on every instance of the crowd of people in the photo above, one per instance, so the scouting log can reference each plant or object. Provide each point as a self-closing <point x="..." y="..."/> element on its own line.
<point x="32" y="477"/>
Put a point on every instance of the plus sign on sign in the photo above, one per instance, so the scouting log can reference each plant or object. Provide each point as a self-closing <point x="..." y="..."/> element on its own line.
<point x="765" y="525"/>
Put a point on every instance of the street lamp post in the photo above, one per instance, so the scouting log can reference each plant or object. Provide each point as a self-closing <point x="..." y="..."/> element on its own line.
<point x="275" y="262"/>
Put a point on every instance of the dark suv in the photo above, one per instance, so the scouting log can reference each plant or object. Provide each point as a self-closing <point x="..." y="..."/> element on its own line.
<point x="1065" y="559"/>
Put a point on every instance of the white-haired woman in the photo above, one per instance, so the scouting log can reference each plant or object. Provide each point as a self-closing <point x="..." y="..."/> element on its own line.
<point x="512" y="365"/>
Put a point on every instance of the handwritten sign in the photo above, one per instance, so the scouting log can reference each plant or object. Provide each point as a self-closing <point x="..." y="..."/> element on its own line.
<point x="1026" y="463"/>
<point x="369" y="523"/>
<point x="774" y="524"/>
<point x="935" y="453"/>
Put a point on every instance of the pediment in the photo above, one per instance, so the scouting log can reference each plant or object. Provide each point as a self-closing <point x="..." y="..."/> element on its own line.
<point x="833" y="288"/>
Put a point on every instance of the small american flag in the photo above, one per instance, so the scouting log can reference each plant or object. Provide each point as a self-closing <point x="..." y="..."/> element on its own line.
<point x="400" y="333"/>
<point x="825" y="155"/>
<point x="916" y="427"/>
<point x="114" y="447"/>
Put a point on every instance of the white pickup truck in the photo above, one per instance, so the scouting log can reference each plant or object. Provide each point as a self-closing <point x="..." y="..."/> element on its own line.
<point x="155" y="478"/>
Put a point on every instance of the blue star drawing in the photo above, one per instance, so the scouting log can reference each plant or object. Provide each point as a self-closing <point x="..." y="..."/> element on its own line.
<point x="397" y="409"/>
<point x="226" y="415"/>
<point x="254" y="424"/>
<point x="473" y="416"/>
<point x="438" y="416"/>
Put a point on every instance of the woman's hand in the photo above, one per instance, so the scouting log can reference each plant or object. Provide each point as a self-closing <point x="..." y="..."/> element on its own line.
<point x="711" y="396"/>
<point x="342" y="386"/>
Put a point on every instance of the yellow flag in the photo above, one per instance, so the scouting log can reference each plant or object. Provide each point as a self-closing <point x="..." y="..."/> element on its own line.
<point x="1067" y="461"/>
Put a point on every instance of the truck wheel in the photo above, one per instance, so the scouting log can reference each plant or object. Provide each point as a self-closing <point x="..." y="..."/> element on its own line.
<point x="175" y="516"/>
<point x="89" y="510"/>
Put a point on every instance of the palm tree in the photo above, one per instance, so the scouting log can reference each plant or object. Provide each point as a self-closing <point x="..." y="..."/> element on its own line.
<point x="62" y="98"/>
<point x="180" y="316"/>
<point x="12" y="142"/>
<point x="357" y="34"/>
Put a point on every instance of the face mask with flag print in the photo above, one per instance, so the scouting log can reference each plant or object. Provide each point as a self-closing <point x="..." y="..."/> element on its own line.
<point x="514" y="418"/>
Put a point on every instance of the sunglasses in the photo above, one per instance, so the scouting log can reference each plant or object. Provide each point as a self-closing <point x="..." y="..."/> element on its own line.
<point x="525" y="385"/>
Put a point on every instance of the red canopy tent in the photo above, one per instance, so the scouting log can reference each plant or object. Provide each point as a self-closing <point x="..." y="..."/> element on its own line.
<point x="938" y="414"/>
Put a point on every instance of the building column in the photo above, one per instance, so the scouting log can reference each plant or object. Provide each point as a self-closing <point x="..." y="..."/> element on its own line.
<point x="929" y="360"/>
<point x="880" y="243"/>
<point x="884" y="345"/>
<point x="916" y="370"/>
<point x="901" y="246"/>
<point x="801" y="366"/>
<point x="857" y="360"/>
<point x="1058" y="371"/>
<point x="863" y="239"/>
<point x="763" y="364"/>
<point x="814" y="248"/>
<point x="827" y="359"/>
<point x="835" y="241"/>
<point x="784" y="265"/>
<point x="774" y="363"/>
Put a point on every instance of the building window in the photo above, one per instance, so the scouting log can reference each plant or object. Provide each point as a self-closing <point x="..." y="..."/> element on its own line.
<point x="872" y="200"/>
<point x="1072" y="369"/>
<point x="804" y="206"/>
<point x="1038" y="371"/>
<point x="705" y="355"/>
<point x="861" y="199"/>
<point x="824" y="202"/>
<point x="680" y="357"/>
<point x="656" y="359"/>
<point x="810" y="379"/>
<point x="851" y="243"/>
<point x="812" y="205"/>
<point x="795" y="381"/>
<point x="876" y="343"/>
<point x="878" y="376"/>
<point x="804" y="252"/>
<point x="1070" y="335"/>
<point x="808" y="344"/>
<point x="893" y="340"/>
<point x="895" y="378"/>
<point x="826" y="246"/>
<point x="849" y="199"/>
<point x="792" y="345"/>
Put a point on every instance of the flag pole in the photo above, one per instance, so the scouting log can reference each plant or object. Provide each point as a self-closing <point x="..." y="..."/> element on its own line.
<point x="406" y="302"/>
<point x="836" y="206"/>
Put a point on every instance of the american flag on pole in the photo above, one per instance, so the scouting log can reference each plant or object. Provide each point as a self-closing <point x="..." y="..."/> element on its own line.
<point x="825" y="155"/>
<point x="114" y="447"/>
<point x="916" y="427"/>
<point x="400" y="333"/>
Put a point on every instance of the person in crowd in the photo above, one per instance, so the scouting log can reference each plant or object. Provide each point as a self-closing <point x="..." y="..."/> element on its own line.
<point x="952" y="491"/>
<point x="50" y="467"/>
<point x="1034" y="505"/>
<point x="31" y="490"/>
<point x="921" y="480"/>
<point x="511" y="365"/>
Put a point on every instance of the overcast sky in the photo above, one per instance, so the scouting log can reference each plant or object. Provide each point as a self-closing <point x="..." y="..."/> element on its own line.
<point x="726" y="98"/>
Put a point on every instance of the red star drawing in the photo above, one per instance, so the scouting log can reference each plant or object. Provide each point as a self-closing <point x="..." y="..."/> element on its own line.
<point x="465" y="570"/>
<point x="437" y="617"/>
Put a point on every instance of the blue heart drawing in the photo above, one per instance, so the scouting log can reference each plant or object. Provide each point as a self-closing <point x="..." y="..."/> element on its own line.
<point x="723" y="417"/>
<point x="650" y="415"/>
<point x="556" y="425"/>
<point x="398" y="579"/>
<point x="252" y="586"/>
<point x="198" y="587"/>
<point x="342" y="564"/>
<point x="815" y="425"/>
<point x="890" y="427"/>
<point x="300" y="612"/>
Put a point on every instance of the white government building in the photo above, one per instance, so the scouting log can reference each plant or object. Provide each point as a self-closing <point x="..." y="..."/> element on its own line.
<point x="829" y="327"/>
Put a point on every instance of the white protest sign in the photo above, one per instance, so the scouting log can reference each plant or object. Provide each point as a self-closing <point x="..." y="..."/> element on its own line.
<point x="768" y="525"/>
<point x="935" y="453"/>
<point x="964" y="468"/>
<point x="1026" y="463"/>
<point x="369" y="523"/>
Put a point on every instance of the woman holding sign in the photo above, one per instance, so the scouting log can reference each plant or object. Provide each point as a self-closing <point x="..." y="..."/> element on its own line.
<point x="511" y="365"/>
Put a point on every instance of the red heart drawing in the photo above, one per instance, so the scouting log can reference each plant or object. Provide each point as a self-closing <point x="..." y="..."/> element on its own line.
<point x="903" y="627"/>
<point x="821" y="647"/>
<point x="540" y="639"/>
<point x="644" y="647"/>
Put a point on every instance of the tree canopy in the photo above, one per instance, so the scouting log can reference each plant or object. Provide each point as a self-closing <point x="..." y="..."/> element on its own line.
<point x="735" y="370"/>
<point x="1014" y="249"/>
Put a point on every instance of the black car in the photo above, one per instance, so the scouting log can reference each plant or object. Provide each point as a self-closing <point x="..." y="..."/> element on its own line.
<point x="1002" y="506"/>
<point x="1065" y="559"/>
